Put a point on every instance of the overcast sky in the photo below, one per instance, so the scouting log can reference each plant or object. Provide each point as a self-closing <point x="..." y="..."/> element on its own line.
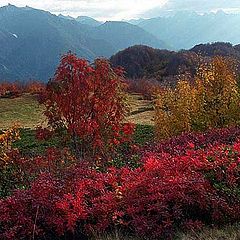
<point x="125" y="9"/>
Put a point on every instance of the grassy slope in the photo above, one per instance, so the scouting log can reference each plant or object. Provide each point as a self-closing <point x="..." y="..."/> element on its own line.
<point x="226" y="233"/>
<point x="141" y="110"/>
<point x="26" y="111"/>
<point x="23" y="110"/>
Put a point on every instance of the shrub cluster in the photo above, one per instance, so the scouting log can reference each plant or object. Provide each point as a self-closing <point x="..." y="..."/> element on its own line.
<point x="200" y="140"/>
<point x="16" y="89"/>
<point x="167" y="192"/>
<point x="180" y="183"/>
<point x="148" y="88"/>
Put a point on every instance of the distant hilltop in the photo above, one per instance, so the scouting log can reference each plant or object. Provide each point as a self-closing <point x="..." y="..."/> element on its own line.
<point x="167" y="66"/>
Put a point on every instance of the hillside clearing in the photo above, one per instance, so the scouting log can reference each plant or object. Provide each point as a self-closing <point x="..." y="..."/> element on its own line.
<point x="23" y="110"/>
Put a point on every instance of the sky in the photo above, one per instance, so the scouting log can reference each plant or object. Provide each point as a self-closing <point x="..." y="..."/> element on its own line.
<point x="126" y="9"/>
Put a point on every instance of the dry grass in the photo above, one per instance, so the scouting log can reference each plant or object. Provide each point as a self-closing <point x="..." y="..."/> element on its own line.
<point x="26" y="111"/>
<point x="227" y="233"/>
<point x="142" y="111"/>
<point x="22" y="110"/>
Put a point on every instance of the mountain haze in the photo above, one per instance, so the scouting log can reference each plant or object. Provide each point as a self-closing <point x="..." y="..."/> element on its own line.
<point x="32" y="41"/>
<point x="130" y="34"/>
<point x="186" y="29"/>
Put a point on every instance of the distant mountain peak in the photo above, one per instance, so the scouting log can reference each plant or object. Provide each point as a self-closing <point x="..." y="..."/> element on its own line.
<point x="221" y="13"/>
<point x="186" y="13"/>
<point x="88" y="21"/>
<point x="118" y="23"/>
<point x="66" y="17"/>
<point x="32" y="40"/>
<point x="9" y="7"/>
<point x="85" y="17"/>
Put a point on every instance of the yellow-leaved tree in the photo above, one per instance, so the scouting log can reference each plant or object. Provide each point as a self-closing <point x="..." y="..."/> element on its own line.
<point x="218" y="92"/>
<point x="212" y="101"/>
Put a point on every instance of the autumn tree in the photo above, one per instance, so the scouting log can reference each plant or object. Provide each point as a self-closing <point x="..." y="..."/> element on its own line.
<point x="218" y="92"/>
<point x="89" y="103"/>
<point x="173" y="110"/>
<point x="212" y="101"/>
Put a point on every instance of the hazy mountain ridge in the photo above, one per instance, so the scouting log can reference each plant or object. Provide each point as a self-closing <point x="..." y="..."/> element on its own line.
<point x="130" y="34"/>
<point x="88" y="21"/>
<point x="33" y="40"/>
<point x="187" y="29"/>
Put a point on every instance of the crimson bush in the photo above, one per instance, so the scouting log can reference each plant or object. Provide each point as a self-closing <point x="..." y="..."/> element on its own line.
<point x="168" y="192"/>
<point x="88" y="103"/>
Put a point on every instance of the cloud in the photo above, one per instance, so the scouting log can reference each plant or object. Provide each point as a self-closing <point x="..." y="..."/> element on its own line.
<point x="125" y="9"/>
<point x="201" y="6"/>
<point x="100" y="9"/>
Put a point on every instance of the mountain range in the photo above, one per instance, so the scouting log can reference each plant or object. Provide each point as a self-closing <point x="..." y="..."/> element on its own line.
<point x="32" y="41"/>
<point x="186" y="29"/>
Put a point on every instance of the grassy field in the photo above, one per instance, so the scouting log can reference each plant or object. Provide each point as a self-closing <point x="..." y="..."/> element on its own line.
<point x="26" y="111"/>
<point x="142" y="111"/>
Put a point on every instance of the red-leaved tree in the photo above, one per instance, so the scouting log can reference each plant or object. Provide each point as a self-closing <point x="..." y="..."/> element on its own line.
<point x="88" y="102"/>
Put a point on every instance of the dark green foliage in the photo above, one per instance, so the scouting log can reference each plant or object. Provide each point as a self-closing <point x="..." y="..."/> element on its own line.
<point x="144" y="134"/>
<point x="29" y="145"/>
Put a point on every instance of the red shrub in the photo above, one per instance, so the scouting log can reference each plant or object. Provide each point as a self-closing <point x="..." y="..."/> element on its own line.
<point x="10" y="90"/>
<point x="165" y="193"/>
<point x="196" y="140"/>
<point x="32" y="211"/>
<point x="34" y="87"/>
<point x="43" y="133"/>
<point x="89" y="103"/>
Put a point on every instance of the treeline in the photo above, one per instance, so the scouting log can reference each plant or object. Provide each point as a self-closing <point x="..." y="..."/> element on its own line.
<point x="168" y="66"/>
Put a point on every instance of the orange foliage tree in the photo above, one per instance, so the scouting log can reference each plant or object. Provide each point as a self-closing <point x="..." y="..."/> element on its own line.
<point x="10" y="90"/>
<point x="34" y="87"/>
